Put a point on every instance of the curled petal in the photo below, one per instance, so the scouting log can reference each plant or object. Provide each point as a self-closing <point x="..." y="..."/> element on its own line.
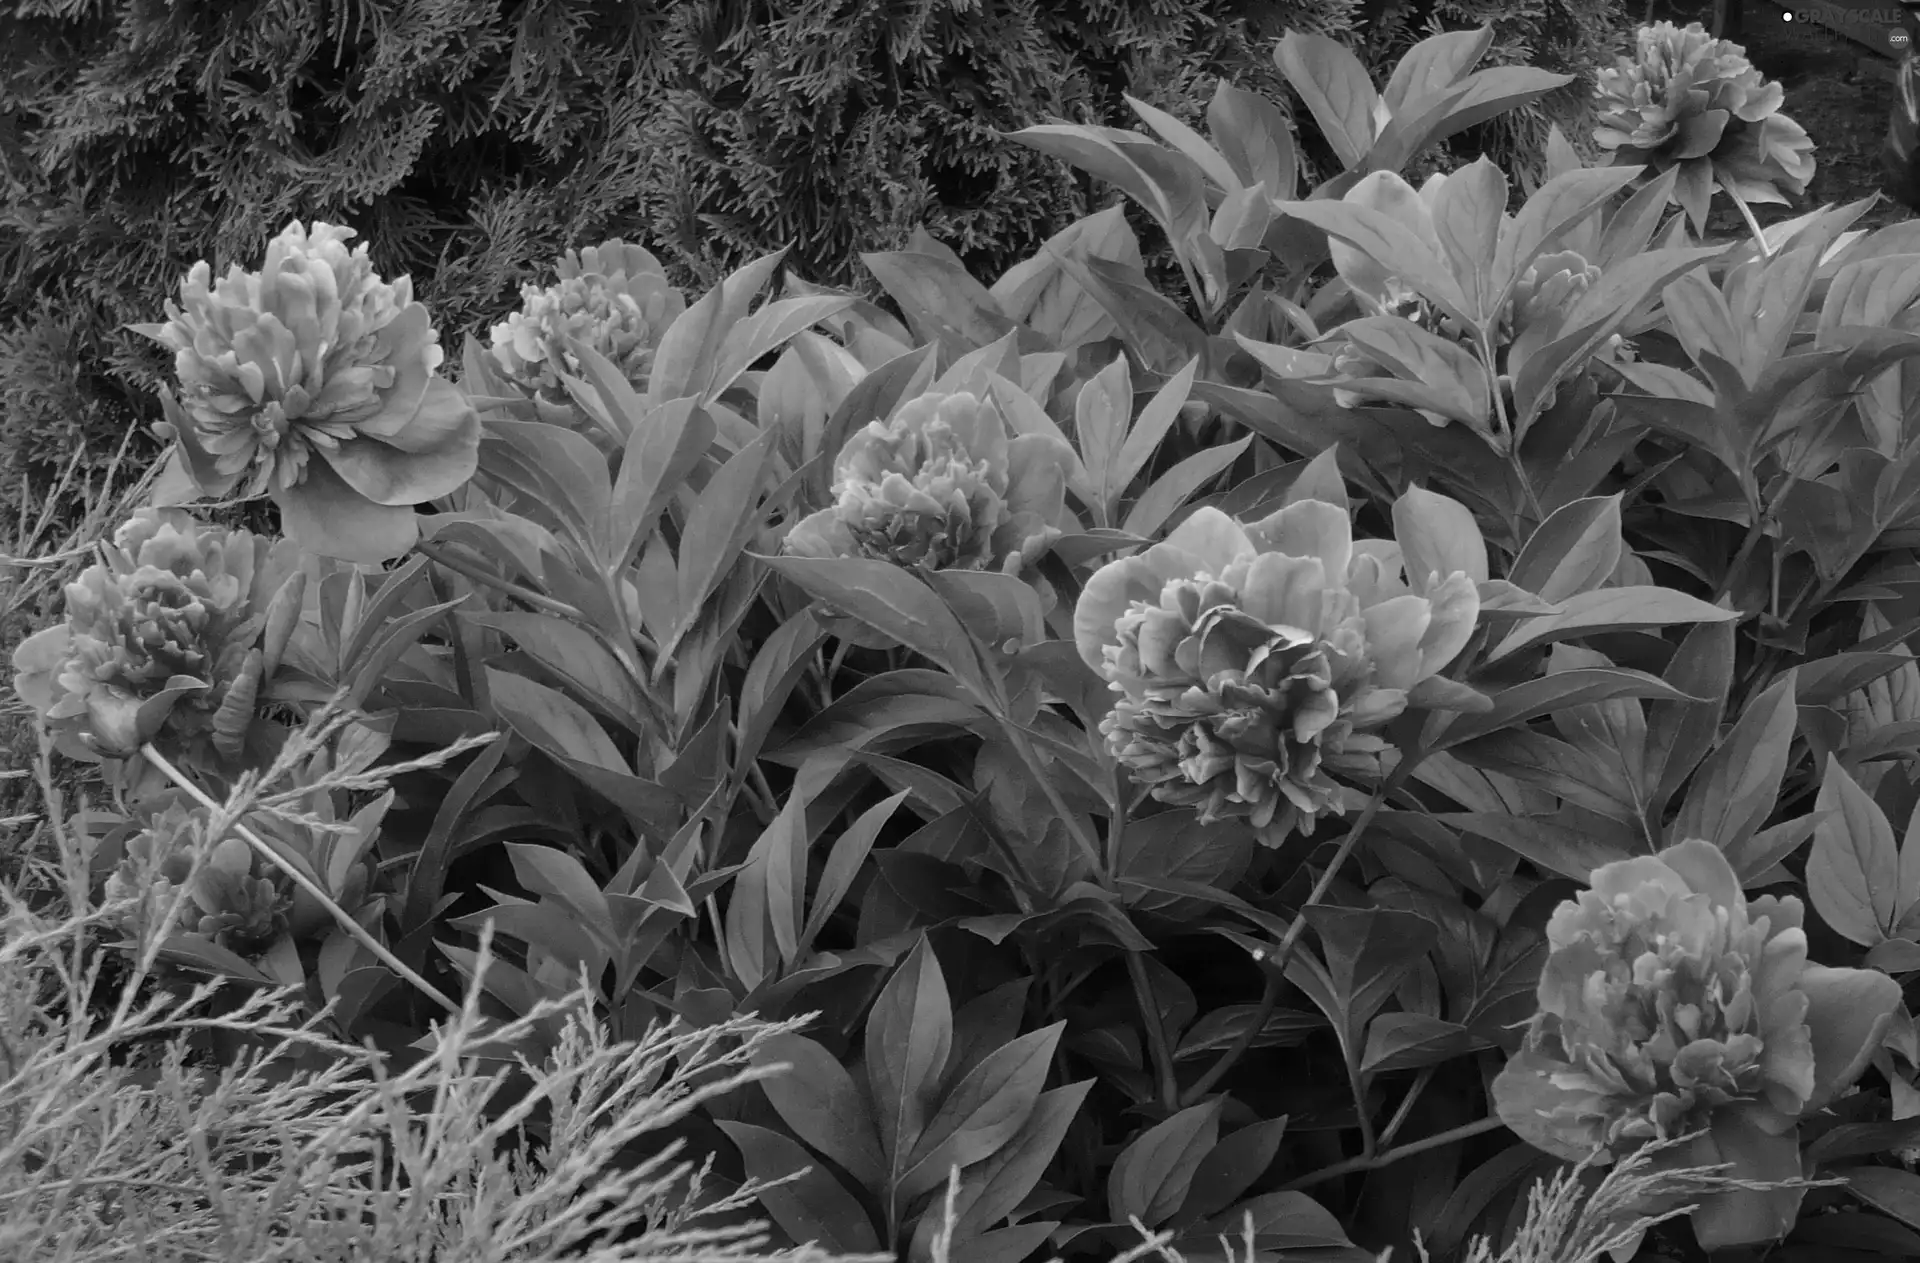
<point x="1212" y="537"/>
<point x="1848" y="1011"/>
<point x="1529" y="1099"/>
<point x="1308" y="528"/>
<point x="1394" y="631"/>
<point x="1285" y="591"/>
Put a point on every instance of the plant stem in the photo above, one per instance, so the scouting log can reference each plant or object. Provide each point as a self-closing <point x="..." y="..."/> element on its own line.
<point x="504" y="586"/>
<point x="1420" y="1083"/>
<point x="1466" y="1131"/>
<point x="1156" y="1025"/>
<point x="1753" y="225"/>
<point x="1277" y="965"/>
<point x="300" y="879"/>
<point x="1747" y="545"/>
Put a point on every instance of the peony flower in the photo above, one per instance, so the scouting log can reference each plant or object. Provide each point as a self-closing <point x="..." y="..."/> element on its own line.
<point x="1671" y="1004"/>
<point x="168" y="637"/>
<point x="225" y="900"/>
<point x="1253" y="662"/>
<point x="1688" y="100"/>
<point x="312" y="381"/>
<point x="941" y="486"/>
<point x="614" y="297"/>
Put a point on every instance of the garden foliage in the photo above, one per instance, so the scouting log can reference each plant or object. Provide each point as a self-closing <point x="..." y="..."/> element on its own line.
<point x="1417" y="707"/>
<point x="471" y="142"/>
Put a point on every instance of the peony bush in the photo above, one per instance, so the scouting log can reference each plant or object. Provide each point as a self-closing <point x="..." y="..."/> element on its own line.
<point x="1288" y="766"/>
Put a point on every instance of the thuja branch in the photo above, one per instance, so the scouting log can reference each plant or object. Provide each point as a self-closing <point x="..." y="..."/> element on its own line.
<point x="273" y="856"/>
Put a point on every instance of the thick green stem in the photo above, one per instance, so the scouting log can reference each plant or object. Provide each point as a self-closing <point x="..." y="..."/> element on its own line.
<point x="1466" y="1131"/>
<point x="1277" y="966"/>
<point x="1156" y="1026"/>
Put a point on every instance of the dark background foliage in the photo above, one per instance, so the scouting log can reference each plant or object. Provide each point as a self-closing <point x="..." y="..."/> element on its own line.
<point x="471" y="141"/>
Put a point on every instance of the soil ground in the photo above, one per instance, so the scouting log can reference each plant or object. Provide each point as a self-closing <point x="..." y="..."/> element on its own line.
<point x="1837" y="89"/>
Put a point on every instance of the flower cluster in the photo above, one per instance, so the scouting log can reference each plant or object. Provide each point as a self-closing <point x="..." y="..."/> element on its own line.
<point x="224" y="899"/>
<point x="941" y="486"/>
<point x="313" y="380"/>
<point x="613" y="297"/>
<point x="1687" y="100"/>
<point x="1252" y="662"/>
<point x="1671" y="1004"/>
<point x="172" y="632"/>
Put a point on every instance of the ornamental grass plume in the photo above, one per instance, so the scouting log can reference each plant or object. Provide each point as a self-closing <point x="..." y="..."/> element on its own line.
<point x="313" y="381"/>
<point x="941" y="486"/>
<point x="1671" y="1004"/>
<point x="613" y="297"/>
<point x="1255" y="661"/>
<point x="1688" y="100"/>
<point x="169" y="636"/>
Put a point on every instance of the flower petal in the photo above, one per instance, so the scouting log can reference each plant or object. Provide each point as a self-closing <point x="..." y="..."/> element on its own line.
<point x="1456" y="612"/>
<point x="1284" y="591"/>
<point x="1848" y="1011"/>
<point x="446" y="432"/>
<point x="1527" y="1101"/>
<point x="1438" y="536"/>
<point x="1705" y="869"/>
<point x="1746" y="1216"/>
<point x="1109" y="593"/>
<point x="1308" y="528"/>
<point x="1212" y="537"/>
<point x="1394" y="631"/>
<point x="328" y="517"/>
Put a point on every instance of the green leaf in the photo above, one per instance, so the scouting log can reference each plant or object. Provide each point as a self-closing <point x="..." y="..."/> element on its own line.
<point x="722" y="520"/>
<point x="1681" y="731"/>
<point x="552" y="722"/>
<point x="661" y="452"/>
<point x="1853" y="872"/>
<point x="546" y="870"/>
<point x="1255" y="138"/>
<point x="909" y="1034"/>
<point x="1562" y="201"/>
<point x="690" y="349"/>
<point x="1466" y="218"/>
<point x="819" y="1100"/>
<point x="997" y="1186"/>
<point x="996" y="608"/>
<point x="1546" y="694"/>
<point x="1173" y="488"/>
<point x="941" y="300"/>
<point x="983" y="1111"/>
<point x="1557" y="847"/>
<point x="1434" y="65"/>
<point x="1366" y="952"/>
<point x="1053" y="304"/>
<point x="850" y="851"/>
<point x="767" y="898"/>
<point x="1335" y="89"/>
<point x="814" y="1207"/>
<point x="1408" y="1041"/>
<point x="892" y="602"/>
<point x="1738" y="785"/>
<point x="1438" y="374"/>
<point x="1573" y="551"/>
<point x="1283" y="1221"/>
<point x="1100" y="417"/>
<point x="572" y="653"/>
<point x="1189" y="142"/>
<point x="1389" y="243"/>
<point x="1636" y="607"/>
<point x="1153" y="1174"/>
<point x="1144" y="439"/>
<point x="559" y="469"/>
<point x="1230" y="1168"/>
